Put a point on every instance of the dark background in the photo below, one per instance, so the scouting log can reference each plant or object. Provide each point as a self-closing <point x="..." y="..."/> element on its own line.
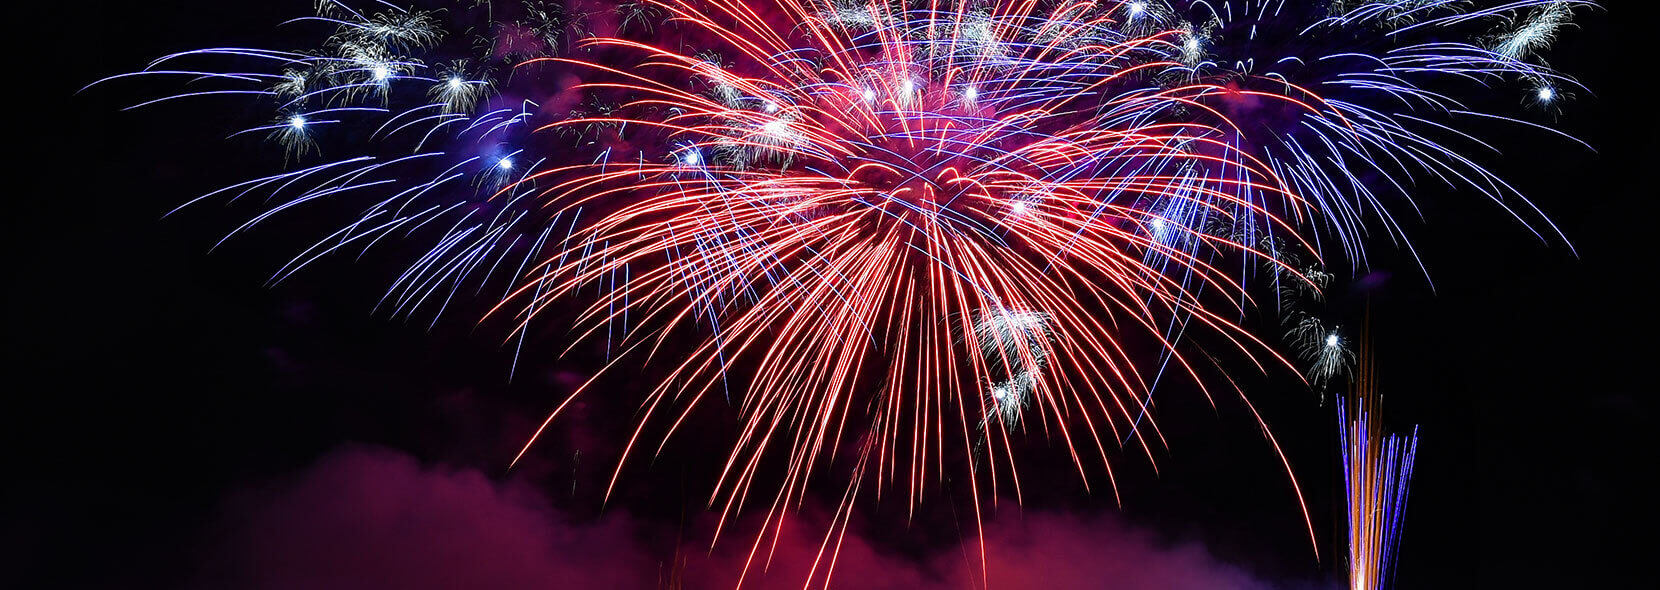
<point x="147" y="379"/>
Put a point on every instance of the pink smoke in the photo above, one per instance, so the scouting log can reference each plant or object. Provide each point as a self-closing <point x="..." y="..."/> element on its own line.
<point x="366" y="518"/>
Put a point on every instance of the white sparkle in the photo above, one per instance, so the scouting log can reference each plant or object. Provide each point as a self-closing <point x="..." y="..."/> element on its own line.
<point x="381" y="72"/>
<point x="772" y="107"/>
<point x="971" y="92"/>
<point x="297" y="122"/>
<point x="1136" y="8"/>
<point x="870" y="95"/>
<point x="1546" y="93"/>
<point x="1331" y="340"/>
<point x="455" y="82"/>
<point x="692" y="158"/>
<point x="505" y="163"/>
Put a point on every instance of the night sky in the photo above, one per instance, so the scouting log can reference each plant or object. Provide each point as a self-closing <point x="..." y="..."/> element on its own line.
<point x="175" y="423"/>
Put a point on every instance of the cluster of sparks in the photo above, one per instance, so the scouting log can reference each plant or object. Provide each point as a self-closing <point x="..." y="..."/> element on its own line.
<point x="1013" y="347"/>
<point x="899" y="233"/>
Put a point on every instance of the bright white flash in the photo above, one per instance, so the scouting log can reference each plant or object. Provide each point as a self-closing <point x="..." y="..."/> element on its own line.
<point x="1019" y="207"/>
<point x="1136" y="8"/>
<point x="455" y="82"/>
<point x="775" y="127"/>
<point x="971" y="92"/>
<point x="381" y="72"/>
<point x="505" y="163"/>
<point x="297" y="122"/>
<point x="908" y="87"/>
<point x="1546" y="93"/>
<point x="1322" y="347"/>
<point x="870" y="95"/>
<point x="772" y="107"/>
<point x="1192" y="44"/>
<point x="692" y="158"/>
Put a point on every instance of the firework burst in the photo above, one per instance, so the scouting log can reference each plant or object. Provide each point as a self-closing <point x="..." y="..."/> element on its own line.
<point x="850" y="194"/>
<point x="1322" y="347"/>
<point x="898" y="235"/>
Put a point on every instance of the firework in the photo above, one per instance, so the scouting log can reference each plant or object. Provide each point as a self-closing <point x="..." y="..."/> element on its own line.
<point x="1013" y="348"/>
<point x="1377" y="470"/>
<point x="1535" y="31"/>
<point x="892" y="232"/>
<point x="1322" y="347"/>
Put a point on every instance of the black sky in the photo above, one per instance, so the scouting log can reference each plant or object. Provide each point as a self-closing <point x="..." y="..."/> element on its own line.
<point x="148" y="379"/>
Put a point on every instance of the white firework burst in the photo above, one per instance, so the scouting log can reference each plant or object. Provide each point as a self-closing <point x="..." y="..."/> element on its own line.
<point x="1534" y="32"/>
<point x="1015" y="343"/>
<point x="1323" y="347"/>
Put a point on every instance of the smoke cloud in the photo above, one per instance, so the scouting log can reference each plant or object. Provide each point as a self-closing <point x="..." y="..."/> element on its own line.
<point x="367" y="518"/>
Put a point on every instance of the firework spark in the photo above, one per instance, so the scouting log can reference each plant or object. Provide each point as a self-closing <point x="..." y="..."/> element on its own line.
<point x="1322" y="347"/>
<point x="1013" y="347"/>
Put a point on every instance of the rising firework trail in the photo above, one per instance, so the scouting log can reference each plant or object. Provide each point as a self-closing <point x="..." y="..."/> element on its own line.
<point x="896" y="236"/>
<point x="1377" y="471"/>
